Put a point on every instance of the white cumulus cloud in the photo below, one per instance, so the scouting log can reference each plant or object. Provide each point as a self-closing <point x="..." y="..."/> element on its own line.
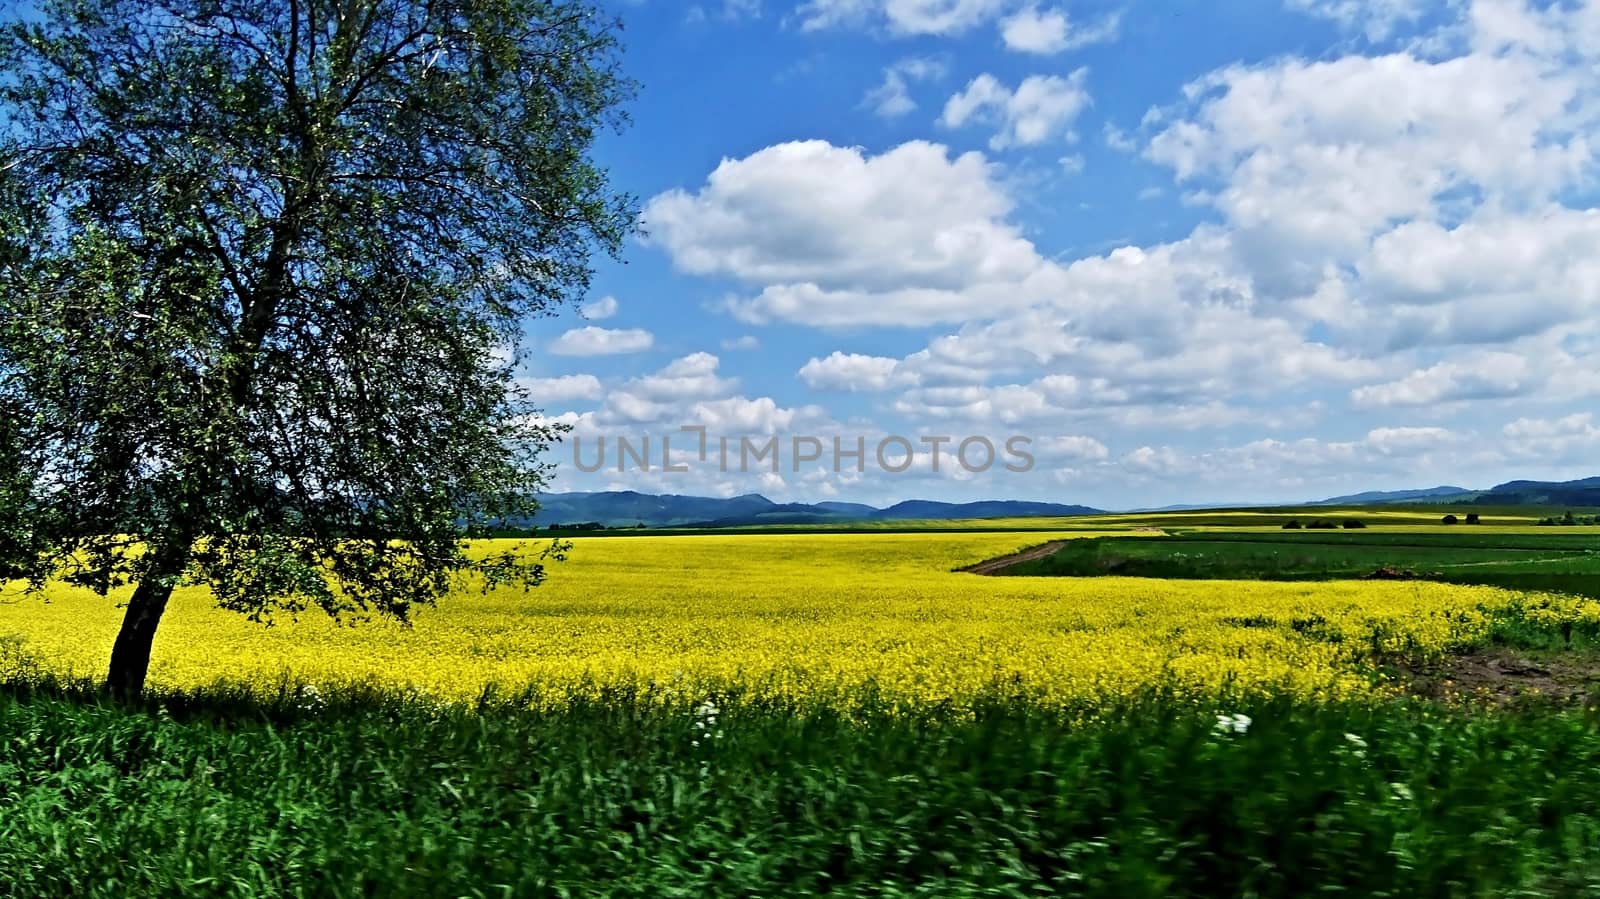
<point x="892" y="98"/>
<point x="903" y="17"/>
<point x="835" y="235"/>
<point x="849" y="371"/>
<point x="1049" y="30"/>
<point x="565" y="387"/>
<point x="603" y="308"/>
<point x="594" y="341"/>
<point x="1377" y="19"/>
<point x="1041" y="108"/>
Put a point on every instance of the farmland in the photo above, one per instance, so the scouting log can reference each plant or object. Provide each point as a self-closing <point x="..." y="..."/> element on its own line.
<point x="1566" y="561"/>
<point x="791" y="713"/>
<point x="807" y="618"/>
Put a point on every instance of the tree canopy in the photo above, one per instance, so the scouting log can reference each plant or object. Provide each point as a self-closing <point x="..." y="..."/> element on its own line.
<point x="263" y="267"/>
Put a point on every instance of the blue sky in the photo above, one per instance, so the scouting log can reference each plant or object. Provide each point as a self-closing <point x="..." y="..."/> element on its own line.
<point x="1192" y="252"/>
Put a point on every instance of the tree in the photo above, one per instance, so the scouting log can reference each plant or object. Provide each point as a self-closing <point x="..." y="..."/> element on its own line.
<point x="262" y="271"/>
<point x="1449" y="519"/>
<point x="19" y="521"/>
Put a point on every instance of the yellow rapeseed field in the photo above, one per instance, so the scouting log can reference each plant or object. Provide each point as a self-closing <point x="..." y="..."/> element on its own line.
<point x="805" y="617"/>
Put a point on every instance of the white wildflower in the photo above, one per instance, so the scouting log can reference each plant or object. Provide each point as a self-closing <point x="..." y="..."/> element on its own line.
<point x="1233" y="724"/>
<point x="307" y="698"/>
<point x="705" y="723"/>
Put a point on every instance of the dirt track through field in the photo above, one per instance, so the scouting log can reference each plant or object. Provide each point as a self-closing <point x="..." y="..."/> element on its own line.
<point x="995" y="566"/>
<point x="998" y="566"/>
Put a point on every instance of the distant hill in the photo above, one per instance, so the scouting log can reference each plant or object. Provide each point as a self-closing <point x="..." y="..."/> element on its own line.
<point x="1585" y="492"/>
<point x="921" y="508"/>
<point x="627" y="508"/>
<point x="1207" y="507"/>
<point x="1384" y="497"/>
<point x="861" y="509"/>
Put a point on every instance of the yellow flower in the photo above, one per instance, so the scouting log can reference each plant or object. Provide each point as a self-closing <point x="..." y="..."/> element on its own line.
<point x="836" y="619"/>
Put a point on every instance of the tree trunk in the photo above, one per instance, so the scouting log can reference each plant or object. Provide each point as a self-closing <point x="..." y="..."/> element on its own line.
<point x="130" y="655"/>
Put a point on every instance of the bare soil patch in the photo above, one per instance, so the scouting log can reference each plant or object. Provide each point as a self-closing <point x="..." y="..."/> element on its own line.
<point x="1504" y="676"/>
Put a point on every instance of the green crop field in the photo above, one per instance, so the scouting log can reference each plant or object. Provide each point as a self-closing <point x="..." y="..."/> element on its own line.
<point x="367" y="795"/>
<point x="1561" y="560"/>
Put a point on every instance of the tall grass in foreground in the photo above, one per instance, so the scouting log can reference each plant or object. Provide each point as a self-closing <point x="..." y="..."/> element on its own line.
<point x="360" y="795"/>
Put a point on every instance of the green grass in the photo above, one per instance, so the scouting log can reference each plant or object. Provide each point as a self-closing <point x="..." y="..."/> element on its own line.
<point x="1561" y="561"/>
<point x="1462" y="537"/>
<point x="1405" y="515"/>
<point x="368" y="795"/>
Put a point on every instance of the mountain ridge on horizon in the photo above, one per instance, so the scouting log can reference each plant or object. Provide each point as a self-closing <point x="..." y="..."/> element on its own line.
<point x="1580" y="492"/>
<point x="624" y="508"/>
<point x="628" y="508"/>
<point x="1383" y="497"/>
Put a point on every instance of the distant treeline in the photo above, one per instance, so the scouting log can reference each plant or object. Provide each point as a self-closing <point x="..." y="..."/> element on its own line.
<point x="1570" y="520"/>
